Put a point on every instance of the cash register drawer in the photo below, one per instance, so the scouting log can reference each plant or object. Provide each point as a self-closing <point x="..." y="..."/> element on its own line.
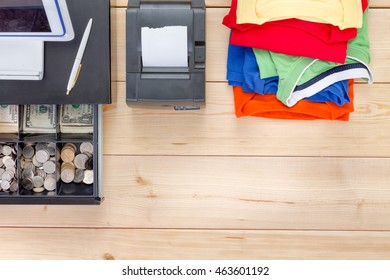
<point x="43" y="162"/>
<point x="46" y="162"/>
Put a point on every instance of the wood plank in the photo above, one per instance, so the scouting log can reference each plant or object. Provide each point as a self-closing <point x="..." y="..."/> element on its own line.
<point x="226" y="3"/>
<point x="216" y="131"/>
<point x="217" y="41"/>
<point x="92" y="244"/>
<point x="228" y="193"/>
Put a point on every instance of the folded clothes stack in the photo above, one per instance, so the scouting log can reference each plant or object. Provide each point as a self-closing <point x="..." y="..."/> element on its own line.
<point x="297" y="59"/>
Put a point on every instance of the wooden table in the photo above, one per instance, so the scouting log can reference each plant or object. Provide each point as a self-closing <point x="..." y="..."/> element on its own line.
<point x="205" y="185"/>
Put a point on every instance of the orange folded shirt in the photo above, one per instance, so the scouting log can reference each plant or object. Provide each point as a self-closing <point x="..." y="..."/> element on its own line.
<point x="268" y="106"/>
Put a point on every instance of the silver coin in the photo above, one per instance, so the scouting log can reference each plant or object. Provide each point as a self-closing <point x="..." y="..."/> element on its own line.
<point x="11" y="168"/>
<point x="1" y="171"/>
<point x="49" y="167"/>
<point x="5" y="185"/>
<point x="11" y="172"/>
<point x="88" y="177"/>
<point x="38" y="190"/>
<point x="79" y="176"/>
<point x="40" y="146"/>
<point x="36" y="162"/>
<point x="51" y="148"/>
<point x="88" y="154"/>
<point x="7" y="150"/>
<point x="41" y="173"/>
<point x="80" y="160"/>
<point x="28" y="152"/>
<point x="37" y="181"/>
<point x="50" y="184"/>
<point x="6" y="176"/>
<point x="67" y="175"/>
<point x="14" y="186"/>
<point x="27" y="184"/>
<point x="29" y="166"/>
<point x="51" y="176"/>
<point x="9" y="162"/>
<point x="27" y="174"/>
<point x="86" y="147"/>
<point x="5" y="158"/>
<point x="42" y="156"/>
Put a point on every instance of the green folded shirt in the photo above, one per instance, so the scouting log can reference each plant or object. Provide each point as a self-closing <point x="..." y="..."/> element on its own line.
<point x="295" y="70"/>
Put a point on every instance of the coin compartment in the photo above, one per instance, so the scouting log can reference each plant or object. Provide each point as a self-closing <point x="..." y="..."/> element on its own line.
<point x="64" y="193"/>
<point x="13" y="177"/>
<point x="75" y="187"/>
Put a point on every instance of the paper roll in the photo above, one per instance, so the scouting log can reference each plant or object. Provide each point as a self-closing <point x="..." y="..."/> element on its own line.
<point x="164" y="47"/>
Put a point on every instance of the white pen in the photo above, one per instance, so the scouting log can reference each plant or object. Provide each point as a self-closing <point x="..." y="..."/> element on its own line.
<point x="77" y="62"/>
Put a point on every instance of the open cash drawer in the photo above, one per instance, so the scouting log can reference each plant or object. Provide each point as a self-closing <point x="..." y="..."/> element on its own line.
<point x="53" y="167"/>
<point x="50" y="140"/>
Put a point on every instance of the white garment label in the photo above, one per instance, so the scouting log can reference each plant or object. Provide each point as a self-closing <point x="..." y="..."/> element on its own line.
<point x="164" y="47"/>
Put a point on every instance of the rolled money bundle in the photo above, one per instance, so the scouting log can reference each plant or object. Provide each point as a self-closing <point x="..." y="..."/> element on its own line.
<point x="39" y="167"/>
<point x="76" y="118"/>
<point x="8" y="171"/>
<point x="40" y="118"/>
<point x="9" y="118"/>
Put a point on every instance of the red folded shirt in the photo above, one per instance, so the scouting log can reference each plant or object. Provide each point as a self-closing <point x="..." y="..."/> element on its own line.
<point x="268" y="106"/>
<point x="293" y="36"/>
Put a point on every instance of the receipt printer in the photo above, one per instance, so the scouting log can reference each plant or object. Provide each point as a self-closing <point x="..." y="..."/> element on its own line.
<point x="165" y="54"/>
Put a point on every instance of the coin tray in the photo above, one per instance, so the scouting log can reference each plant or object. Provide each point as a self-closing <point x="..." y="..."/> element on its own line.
<point x="65" y="193"/>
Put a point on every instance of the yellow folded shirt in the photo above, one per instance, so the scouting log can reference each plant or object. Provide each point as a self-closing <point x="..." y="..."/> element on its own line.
<point x="342" y="13"/>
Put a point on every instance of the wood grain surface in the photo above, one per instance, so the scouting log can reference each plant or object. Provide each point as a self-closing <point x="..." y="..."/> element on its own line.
<point x="300" y="193"/>
<point x="216" y="131"/>
<point x="109" y="244"/>
<point x="206" y="185"/>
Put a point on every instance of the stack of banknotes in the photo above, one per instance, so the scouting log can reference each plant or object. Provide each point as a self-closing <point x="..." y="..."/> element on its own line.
<point x="76" y="118"/>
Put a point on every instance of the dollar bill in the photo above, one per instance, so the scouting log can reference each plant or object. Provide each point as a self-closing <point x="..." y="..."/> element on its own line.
<point x="76" y="118"/>
<point x="9" y="118"/>
<point x="40" y="118"/>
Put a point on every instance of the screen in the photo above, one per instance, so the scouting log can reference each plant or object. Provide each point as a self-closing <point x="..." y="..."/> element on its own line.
<point x="23" y="16"/>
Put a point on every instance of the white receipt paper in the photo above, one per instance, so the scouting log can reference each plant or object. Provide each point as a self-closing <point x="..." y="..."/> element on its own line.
<point x="164" y="47"/>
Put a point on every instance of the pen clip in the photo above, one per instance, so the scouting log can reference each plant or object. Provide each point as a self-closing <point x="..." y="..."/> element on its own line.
<point x="77" y="76"/>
